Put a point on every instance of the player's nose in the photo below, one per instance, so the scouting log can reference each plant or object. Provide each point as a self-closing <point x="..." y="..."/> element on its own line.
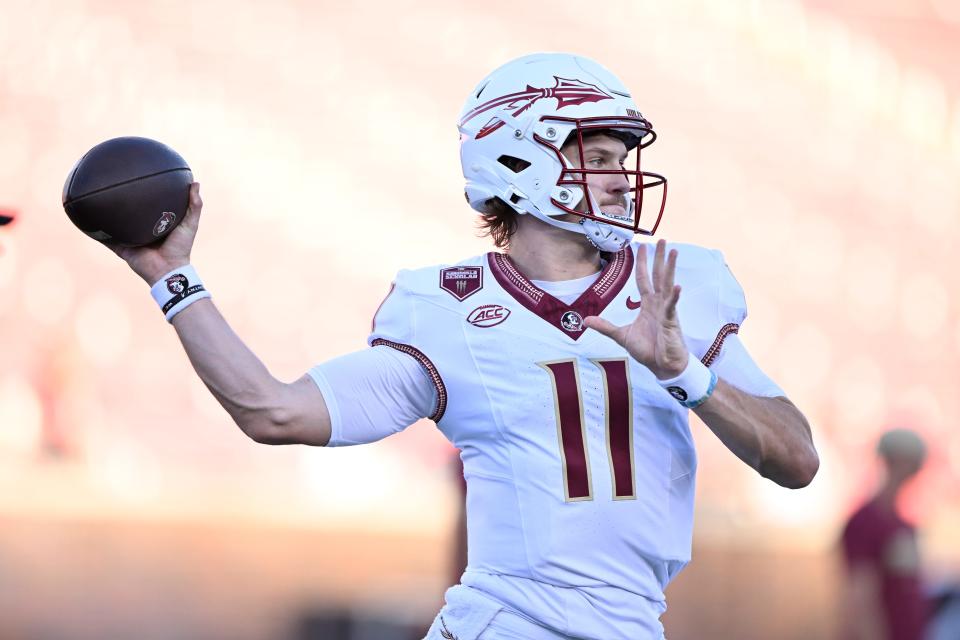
<point x="617" y="184"/>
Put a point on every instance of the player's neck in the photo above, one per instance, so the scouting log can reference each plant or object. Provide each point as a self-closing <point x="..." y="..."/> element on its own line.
<point x="542" y="252"/>
<point x="889" y="492"/>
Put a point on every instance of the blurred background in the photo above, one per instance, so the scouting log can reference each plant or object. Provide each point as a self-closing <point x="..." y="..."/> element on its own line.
<point x="816" y="143"/>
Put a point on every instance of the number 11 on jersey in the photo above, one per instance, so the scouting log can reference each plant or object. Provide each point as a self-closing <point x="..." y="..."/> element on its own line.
<point x="571" y="430"/>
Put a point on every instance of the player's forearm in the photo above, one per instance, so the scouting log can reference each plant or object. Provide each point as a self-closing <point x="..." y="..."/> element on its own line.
<point x="232" y="373"/>
<point x="769" y="434"/>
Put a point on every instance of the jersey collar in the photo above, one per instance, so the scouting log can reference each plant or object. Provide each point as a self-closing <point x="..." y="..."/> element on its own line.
<point x="566" y="318"/>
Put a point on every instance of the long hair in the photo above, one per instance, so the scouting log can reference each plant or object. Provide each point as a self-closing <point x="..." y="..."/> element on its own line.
<point x="499" y="221"/>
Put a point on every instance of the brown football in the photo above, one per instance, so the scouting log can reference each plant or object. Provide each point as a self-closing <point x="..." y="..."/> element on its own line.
<point x="128" y="191"/>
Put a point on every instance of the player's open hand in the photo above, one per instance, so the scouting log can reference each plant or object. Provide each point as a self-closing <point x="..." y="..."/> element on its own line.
<point x="654" y="338"/>
<point x="153" y="261"/>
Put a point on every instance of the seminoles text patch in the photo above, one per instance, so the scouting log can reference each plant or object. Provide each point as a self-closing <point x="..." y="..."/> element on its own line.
<point x="461" y="282"/>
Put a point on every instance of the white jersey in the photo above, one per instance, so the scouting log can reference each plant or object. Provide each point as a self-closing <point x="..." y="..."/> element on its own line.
<point x="579" y="467"/>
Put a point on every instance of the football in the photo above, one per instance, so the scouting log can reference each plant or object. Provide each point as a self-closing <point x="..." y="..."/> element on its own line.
<point x="128" y="191"/>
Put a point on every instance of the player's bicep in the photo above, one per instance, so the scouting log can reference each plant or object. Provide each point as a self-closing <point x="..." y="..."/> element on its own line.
<point x="294" y="413"/>
<point x="307" y="416"/>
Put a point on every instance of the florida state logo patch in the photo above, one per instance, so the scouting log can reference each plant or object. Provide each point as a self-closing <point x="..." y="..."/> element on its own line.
<point x="571" y="321"/>
<point x="461" y="282"/>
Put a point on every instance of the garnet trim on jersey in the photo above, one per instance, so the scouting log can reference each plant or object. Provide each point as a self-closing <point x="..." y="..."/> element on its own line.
<point x="714" y="349"/>
<point x="431" y="369"/>
<point x="592" y="302"/>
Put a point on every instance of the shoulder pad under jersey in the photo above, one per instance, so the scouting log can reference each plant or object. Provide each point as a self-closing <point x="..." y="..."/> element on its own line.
<point x="712" y="304"/>
<point x="396" y="319"/>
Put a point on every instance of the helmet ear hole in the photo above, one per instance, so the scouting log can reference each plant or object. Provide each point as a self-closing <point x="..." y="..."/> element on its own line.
<point x="513" y="163"/>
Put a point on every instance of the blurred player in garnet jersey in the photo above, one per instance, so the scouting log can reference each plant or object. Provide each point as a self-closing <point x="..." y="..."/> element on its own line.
<point x="885" y="599"/>
<point x="563" y="367"/>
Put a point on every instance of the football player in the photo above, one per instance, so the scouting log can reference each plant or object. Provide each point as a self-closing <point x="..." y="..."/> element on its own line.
<point x="563" y="367"/>
<point x="884" y="587"/>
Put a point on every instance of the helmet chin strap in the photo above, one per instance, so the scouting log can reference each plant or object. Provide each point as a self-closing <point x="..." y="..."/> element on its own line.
<point x="603" y="236"/>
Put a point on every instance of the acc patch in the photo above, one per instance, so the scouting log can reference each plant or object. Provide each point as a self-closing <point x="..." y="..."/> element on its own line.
<point x="488" y="315"/>
<point x="461" y="282"/>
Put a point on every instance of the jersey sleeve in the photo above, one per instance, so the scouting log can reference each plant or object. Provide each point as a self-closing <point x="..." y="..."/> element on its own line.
<point x="376" y="392"/>
<point x="727" y="355"/>
<point x="372" y="394"/>
<point x="397" y="324"/>
<point x="730" y="309"/>
<point x="712" y="305"/>
<point x="735" y="366"/>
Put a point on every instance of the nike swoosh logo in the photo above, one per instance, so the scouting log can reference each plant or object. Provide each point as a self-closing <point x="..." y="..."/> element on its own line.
<point x="633" y="305"/>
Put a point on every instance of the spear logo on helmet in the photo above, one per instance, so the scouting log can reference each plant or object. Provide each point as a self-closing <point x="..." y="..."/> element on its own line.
<point x="566" y="92"/>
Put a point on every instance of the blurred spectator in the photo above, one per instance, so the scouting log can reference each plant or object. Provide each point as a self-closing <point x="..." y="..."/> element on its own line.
<point x="884" y="598"/>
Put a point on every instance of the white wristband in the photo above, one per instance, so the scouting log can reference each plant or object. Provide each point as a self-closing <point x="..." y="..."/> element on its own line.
<point x="692" y="387"/>
<point x="177" y="290"/>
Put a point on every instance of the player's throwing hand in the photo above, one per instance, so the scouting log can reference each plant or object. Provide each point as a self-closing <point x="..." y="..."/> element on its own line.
<point x="654" y="338"/>
<point x="152" y="261"/>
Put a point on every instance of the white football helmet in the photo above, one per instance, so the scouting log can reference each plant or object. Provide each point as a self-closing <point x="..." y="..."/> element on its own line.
<point x="527" y="110"/>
